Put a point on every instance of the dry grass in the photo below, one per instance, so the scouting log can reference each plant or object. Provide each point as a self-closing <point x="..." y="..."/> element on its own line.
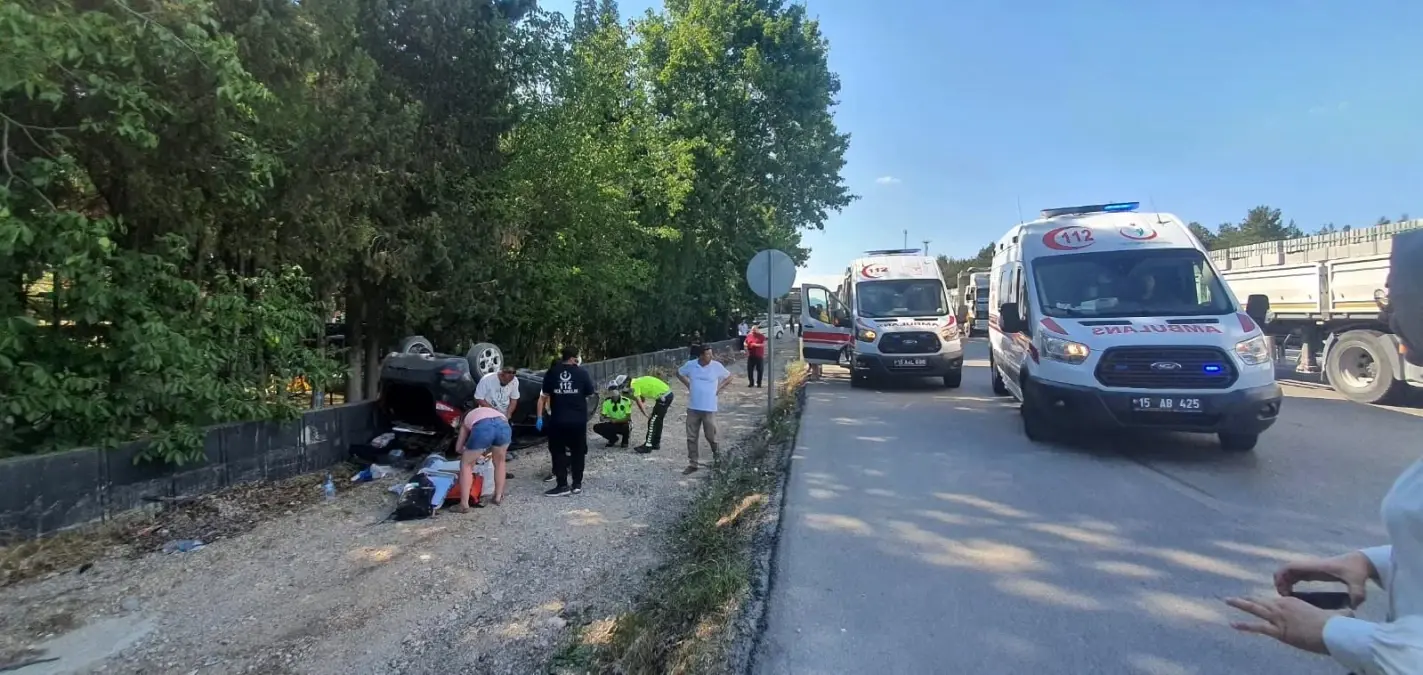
<point x="208" y="518"/>
<point x="679" y="627"/>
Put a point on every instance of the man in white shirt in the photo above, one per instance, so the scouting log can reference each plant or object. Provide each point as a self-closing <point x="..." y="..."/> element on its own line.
<point x="742" y="330"/>
<point x="499" y="391"/>
<point x="704" y="379"/>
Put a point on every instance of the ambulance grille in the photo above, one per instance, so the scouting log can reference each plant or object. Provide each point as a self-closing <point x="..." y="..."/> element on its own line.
<point x="909" y="342"/>
<point x="1166" y="368"/>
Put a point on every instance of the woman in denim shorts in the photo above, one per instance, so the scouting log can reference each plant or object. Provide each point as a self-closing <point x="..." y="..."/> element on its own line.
<point x="484" y="430"/>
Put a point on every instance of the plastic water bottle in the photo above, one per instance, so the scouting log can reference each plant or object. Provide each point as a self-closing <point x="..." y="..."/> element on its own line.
<point x="329" y="488"/>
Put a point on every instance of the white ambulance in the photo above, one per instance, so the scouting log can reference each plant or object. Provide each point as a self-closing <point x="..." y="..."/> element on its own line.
<point x="890" y="317"/>
<point x="1104" y="317"/>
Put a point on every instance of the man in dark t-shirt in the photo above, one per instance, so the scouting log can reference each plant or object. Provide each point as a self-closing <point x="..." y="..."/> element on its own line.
<point x="566" y="389"/>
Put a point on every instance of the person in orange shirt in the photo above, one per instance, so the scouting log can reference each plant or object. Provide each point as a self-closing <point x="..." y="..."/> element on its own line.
<point x="755" y="356"/>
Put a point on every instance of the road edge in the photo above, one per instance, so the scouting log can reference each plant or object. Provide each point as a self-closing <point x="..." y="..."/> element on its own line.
<point x="751" y="623"/>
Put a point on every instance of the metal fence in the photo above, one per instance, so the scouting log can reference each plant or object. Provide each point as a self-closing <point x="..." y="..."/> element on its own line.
<point x="42" y="494"/>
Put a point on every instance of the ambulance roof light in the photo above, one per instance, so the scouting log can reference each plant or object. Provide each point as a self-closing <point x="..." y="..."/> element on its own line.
<point x="894" y="251"/>
<point x="1118" y="207"/>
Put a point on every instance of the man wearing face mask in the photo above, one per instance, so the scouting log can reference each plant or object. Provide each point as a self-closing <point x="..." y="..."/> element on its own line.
<point x="566" y="389"/>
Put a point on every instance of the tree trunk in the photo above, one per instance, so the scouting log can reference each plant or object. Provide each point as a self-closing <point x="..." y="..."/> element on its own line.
<point x="372" y="348"/>
<point x="355" y="341"/>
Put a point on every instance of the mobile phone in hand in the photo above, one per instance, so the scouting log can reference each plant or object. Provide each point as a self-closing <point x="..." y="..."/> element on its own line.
<point x="1330" y="600"/>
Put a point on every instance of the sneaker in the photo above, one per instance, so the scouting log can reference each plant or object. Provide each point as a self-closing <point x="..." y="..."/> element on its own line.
<point x="577" y="490"/>
<point x="625" y="445"/>
<point x="558" y="491"/>
<point x="549" y="478"/>
<point x="691" y="469"/>
<point x="643" y="449"/>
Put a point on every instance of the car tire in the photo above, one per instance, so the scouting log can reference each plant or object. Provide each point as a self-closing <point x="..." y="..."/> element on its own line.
<point x="1000" y="388"/>
<point x="484" y="358"/>
<point x="416" y="344"/>
<point x="953" y="380"/>
<point x="1343" y="371"/>
<point x="1232" y="442"/>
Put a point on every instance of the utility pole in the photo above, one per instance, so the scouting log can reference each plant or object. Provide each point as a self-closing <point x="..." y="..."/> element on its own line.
<point x="926" y="247"/>
<point x="906" y="239"/>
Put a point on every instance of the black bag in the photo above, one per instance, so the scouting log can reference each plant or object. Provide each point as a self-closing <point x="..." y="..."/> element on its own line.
<point x="415" y="501"/>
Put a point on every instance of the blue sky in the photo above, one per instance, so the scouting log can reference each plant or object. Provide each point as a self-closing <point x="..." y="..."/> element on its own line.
<point x="960" y="110"/>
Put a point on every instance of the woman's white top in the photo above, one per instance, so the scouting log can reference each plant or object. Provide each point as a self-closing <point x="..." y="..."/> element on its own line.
<point x="1396" y="646"/>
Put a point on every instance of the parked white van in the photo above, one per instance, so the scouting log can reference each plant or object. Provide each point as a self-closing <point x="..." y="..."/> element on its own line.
<point x="890" y="317"/>
<point x="1104" y="317"/>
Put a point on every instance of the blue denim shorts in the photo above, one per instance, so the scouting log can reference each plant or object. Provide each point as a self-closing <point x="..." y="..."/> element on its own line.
<point x="493" y="432"/>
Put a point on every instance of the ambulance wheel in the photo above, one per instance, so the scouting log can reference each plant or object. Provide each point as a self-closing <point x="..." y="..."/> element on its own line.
<point x="1036" y="426"/>
<point x="1238" y="442"/>
<point x="416" y="344"/>
<point x="484" y="358"/>
<point x="953" y="380"/>
<point x="999" y="388"/>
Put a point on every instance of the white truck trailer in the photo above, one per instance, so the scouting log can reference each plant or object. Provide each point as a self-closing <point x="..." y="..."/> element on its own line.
<point x="1328" y="291"/>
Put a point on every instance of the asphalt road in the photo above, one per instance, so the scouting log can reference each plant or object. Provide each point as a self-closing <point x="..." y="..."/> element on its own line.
<point x="923" y="533"/>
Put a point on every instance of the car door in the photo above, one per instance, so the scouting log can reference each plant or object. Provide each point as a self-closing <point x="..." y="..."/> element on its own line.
<point x="821" y="339"/>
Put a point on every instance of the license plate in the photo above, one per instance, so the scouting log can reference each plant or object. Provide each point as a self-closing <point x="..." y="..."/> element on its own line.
<point x="910" y="363"/>
<point x="1178" y="404"/>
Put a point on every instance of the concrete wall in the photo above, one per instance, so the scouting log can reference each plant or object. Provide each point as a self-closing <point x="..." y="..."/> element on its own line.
<point x="43" y="494"/>
<point x="1360" y="243"/>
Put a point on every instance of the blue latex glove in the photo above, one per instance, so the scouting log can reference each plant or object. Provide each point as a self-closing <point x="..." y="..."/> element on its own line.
<point x="539" y="424"/>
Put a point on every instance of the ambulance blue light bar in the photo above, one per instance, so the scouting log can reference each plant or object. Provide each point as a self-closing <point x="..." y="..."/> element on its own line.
<point x="1119" y="207"/>
<point x="894" y="251"/>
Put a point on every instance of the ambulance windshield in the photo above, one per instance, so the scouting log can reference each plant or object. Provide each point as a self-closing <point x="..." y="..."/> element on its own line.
<point x="1133" y="283"/>
<point x="901" y="298"/>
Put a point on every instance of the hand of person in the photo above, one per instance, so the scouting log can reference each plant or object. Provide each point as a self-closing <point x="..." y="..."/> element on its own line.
<point x="1289" y="620"/>
<point x="539" y="423"/>
<point x="1351" y="569"/>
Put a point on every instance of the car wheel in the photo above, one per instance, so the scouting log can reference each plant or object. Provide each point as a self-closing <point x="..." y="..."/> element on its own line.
<point x="484" y="358"/>
<point x="953" y="380"/>
<point x="1238" y="442"/>
<point x="416" y="344"/>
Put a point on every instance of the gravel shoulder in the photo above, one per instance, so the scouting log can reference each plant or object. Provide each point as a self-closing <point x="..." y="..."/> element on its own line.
<point x="328" y="588"/>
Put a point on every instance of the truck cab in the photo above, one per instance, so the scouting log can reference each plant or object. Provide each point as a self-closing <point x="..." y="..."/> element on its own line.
<point x="889" y="318"/>
<point x="1105" y="317"/>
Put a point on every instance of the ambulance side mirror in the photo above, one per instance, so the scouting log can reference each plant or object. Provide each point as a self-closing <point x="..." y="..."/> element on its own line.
<point x="1009" y="320"/>
<point x="1257" y="307"/>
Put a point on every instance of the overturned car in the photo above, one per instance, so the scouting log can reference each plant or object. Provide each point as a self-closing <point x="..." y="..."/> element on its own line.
<point x="424" y="395"/>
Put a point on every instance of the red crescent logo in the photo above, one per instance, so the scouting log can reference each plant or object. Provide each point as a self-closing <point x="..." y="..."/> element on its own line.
<point x="1069" y="238"/>
<point x="1138" y="233"/>
<point x="873" y="271"/>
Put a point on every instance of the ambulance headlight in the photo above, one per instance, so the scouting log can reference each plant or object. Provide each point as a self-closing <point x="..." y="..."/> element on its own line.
<point x="1065" y="351"/>
<point x="866" y="334"/>
<point x="1254" y="352"/>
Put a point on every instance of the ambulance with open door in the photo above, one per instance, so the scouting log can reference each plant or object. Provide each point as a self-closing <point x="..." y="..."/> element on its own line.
<point x="1101" y="316"/>
<point x="890" y="317"/>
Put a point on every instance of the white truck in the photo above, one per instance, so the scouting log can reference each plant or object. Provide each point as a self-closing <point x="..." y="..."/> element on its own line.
<point x="1328" y="291"/>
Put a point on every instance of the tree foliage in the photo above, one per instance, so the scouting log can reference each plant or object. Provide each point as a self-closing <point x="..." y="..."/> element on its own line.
<point x="191" y="189"/>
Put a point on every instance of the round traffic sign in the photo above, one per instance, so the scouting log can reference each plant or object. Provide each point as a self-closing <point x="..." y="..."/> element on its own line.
<point x="771" y="273"/>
